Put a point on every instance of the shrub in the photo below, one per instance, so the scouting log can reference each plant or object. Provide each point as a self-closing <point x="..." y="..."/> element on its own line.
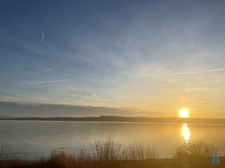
<point x="61" y="160"/>
<point x="197" y="148"/>
<point x="140" y="152"/>
<point x="194" y="153"/>
<point x="107" y="151"/>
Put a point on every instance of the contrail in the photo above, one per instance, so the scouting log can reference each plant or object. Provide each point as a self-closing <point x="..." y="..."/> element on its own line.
<point x="43" y="37"/>
<point x="199" y="72"/>
<point x="41" y="82"/>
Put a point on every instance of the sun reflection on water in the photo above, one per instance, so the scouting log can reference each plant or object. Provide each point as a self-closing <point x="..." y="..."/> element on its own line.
<point x="185" y="132"/>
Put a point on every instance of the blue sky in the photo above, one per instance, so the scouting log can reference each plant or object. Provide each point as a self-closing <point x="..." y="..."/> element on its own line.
<point x="148" y="57"/>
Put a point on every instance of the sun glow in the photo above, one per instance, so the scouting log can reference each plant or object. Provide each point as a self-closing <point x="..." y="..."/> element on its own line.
<point x="183" y="113"/>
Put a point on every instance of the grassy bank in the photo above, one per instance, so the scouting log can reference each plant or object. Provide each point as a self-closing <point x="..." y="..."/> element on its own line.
<point x="196" y="154"/>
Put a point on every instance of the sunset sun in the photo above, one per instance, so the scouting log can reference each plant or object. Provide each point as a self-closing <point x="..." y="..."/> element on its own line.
<point x="183" y="113"/>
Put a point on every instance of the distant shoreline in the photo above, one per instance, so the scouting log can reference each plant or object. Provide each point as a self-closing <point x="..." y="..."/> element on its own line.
<point x="124" y="119"/>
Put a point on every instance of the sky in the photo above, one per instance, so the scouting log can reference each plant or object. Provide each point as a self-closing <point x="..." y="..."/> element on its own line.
<point x="133" y="58"/>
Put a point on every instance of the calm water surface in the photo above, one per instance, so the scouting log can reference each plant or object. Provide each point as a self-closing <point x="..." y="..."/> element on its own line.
<point x="33" y="139"/>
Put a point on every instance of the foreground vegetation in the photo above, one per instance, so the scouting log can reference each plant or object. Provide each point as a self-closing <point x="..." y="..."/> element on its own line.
<point x="108" y="154"/>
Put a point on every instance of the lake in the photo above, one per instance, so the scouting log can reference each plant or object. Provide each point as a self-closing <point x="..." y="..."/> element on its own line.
<point x="33" y="139"/>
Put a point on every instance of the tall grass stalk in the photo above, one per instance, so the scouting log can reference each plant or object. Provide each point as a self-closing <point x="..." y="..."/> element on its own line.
<point x="6" y="153"/>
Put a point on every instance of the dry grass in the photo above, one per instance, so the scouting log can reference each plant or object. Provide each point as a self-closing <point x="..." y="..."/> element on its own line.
<point x="108" y="154"/>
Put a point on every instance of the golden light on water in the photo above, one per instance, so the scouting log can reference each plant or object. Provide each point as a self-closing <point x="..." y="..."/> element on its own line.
<point x="185" y="132"/>
<point x="183" y="113"/>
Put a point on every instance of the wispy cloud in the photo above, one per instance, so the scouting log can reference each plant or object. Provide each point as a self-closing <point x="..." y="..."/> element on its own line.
<point x="120" y="61"/>
<point x="42" y="82"/>
<point x="199" y="72"/>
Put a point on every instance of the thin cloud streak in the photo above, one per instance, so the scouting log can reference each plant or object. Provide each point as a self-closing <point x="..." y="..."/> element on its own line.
<point x="42" y="82"/>
<point x="187" y="73"/>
